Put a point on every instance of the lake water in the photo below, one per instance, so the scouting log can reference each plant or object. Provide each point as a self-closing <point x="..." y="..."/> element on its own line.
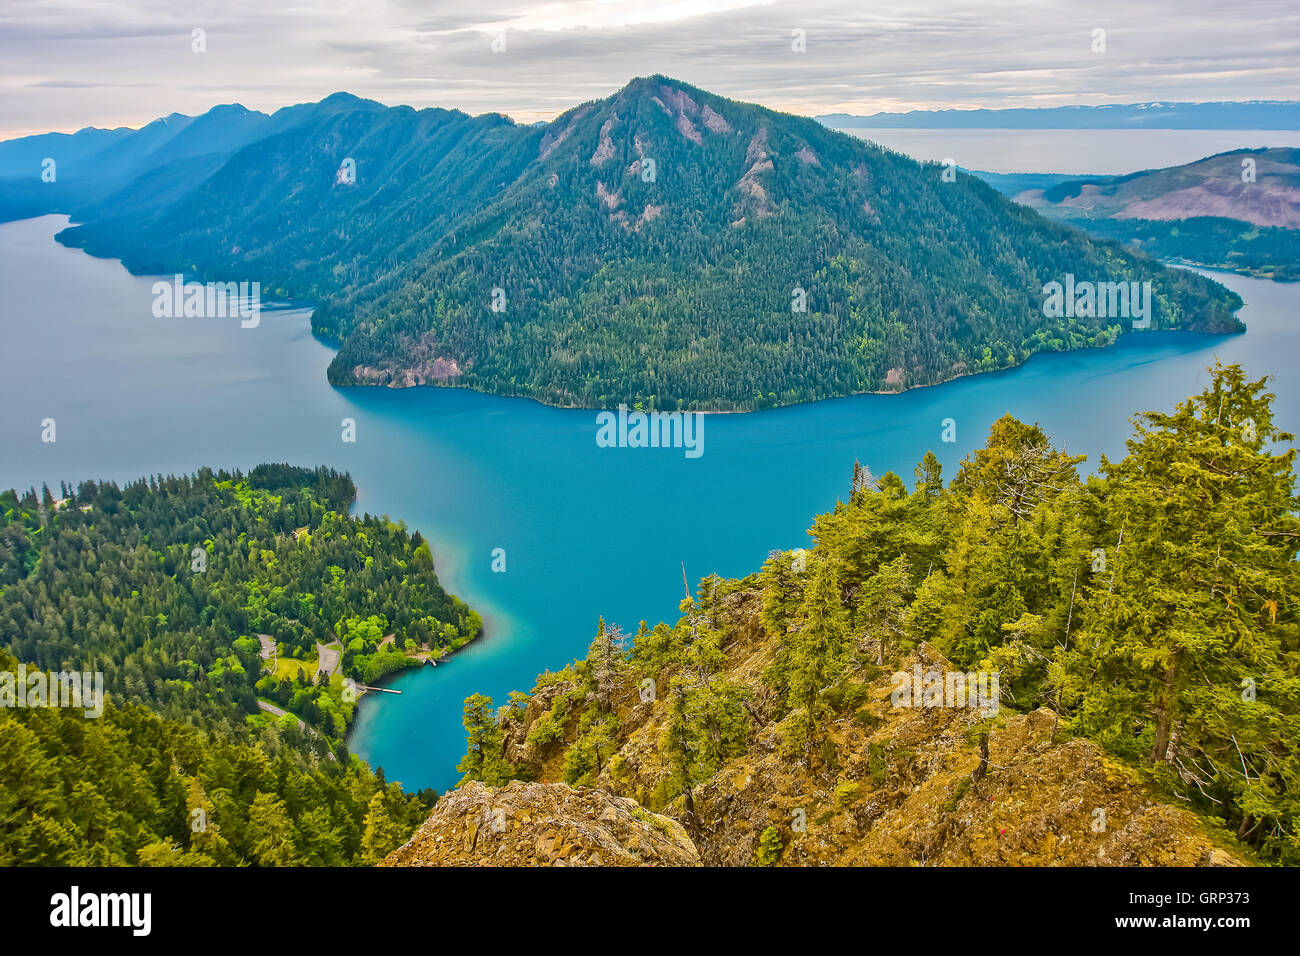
<point x="587" y="531"/>
<point x="1099" y="152"/>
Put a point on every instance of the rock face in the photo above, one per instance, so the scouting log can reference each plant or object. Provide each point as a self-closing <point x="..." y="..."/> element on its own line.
<point x="543" y="824"/>
<point x="893" y="786"/>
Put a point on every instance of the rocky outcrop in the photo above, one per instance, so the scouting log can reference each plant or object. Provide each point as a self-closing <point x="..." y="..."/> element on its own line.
<point x="543" y="824"/>
<point x="605" y="148"/>
<point x="892" y="785"/>
<point x="908" y="794"/>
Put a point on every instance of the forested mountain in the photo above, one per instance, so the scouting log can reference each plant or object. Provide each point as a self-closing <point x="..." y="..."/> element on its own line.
<point x="663" y="245"/>
<point x="684" y="288"/>
<point x="59" y="172"/>
<point x="102" y="172"/>
<point x="334" y="195"/>
<point x="1139" y="631"/>
<point x="1237" y="210"/>
<point x="165" y="584"/>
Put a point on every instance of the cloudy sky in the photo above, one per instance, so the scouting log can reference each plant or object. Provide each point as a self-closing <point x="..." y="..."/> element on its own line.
<point x="65" y="64"/>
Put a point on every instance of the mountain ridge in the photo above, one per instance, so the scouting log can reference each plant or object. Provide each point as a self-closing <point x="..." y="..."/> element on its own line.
<point x="662" y="245"/>
<point x="1243" y="114"/>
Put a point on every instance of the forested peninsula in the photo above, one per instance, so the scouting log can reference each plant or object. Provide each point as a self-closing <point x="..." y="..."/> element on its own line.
<point x="234" y="619"/>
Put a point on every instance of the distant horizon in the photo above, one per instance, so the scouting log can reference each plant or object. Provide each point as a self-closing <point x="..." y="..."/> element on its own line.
<point x="121" y="65"/>
<point x="923" y="112"/>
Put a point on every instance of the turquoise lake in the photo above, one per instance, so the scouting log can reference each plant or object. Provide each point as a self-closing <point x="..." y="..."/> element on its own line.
<point x="587" y="531"/>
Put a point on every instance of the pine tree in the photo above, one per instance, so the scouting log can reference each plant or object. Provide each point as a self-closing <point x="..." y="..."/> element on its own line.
<point x="382" y="833"/>
<point x="271" y="831"/>
<point x="605" y="664"/>
<point x="484" y="758"/>
<point x="1186" y="658"/>
<point x="881" y="603"/>
<point x="817" y="656"/>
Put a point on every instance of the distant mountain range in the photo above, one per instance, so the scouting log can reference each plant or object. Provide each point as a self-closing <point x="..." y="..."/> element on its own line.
<point x="663" y="245"/>
<point x="1253" y="114"/>
<point x="1238" y="210"/>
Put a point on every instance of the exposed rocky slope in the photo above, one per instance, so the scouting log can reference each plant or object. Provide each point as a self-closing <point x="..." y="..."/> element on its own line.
<point x="1238" y="210"/>
<point x="540" y="824"/>
<point x="893" y="786"/>
<point x="1259" y="186"/>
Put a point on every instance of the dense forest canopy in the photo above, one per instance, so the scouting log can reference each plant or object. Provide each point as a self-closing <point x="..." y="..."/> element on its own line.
<point x="1152" y="606"/>
<point x="131" y="788"/>
<point x="165" y="584"/>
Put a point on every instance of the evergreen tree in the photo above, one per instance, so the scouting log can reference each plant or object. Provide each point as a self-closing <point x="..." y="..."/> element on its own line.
<point x="817" y="656"/>
<point x="880" y="606"/>
<point x="382" y="834"/>
<point x="272" y="832"/>
<point x="484" y="758"/>
<point x="1186" y="658"/>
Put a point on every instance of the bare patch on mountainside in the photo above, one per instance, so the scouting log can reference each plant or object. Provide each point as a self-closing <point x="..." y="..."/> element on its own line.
<point x="649" y="214"/>
<point x="423" y="366"/>
<point x="714" y="121"/>
<point x="605" y="148"/>
<point x="1261" y="187"/>
<point x="610" y="199"/>
<point x="807" y="157"/>
<point x="754" y="194"/>
<point x="1279" y="207"/>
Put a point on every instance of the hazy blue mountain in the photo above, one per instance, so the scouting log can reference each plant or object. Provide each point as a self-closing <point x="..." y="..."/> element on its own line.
<point x="1254" y="114"/>
<point x="101" y="171"/>
<point x="92" y="164"/>
<point x="661" y="245"/>
<point x="1012" y="184"/>
<point x="283" y="210"/>
<point x="21" y="158"/>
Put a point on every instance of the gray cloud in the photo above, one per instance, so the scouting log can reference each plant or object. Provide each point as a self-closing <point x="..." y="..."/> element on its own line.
<point x="71" y="63"/>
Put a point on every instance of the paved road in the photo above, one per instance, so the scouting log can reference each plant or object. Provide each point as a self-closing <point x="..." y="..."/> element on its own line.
<point x="327" y="658"/>
<point x="281" y="712"/>
<point x="268" y="646"/>
<point x="305" y="727"/>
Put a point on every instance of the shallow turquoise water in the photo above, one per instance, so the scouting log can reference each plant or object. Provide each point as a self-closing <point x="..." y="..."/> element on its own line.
<point x="587" y="531"/>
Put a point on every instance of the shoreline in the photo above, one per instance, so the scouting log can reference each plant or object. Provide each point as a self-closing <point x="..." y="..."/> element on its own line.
<point x="291" y="302"/>
<point x="826" y="398"/>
